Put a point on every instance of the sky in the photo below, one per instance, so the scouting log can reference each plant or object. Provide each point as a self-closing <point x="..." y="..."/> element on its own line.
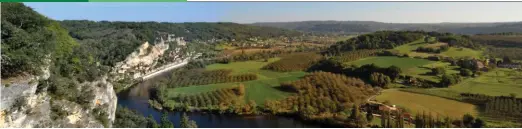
<point x="250" y="12"/>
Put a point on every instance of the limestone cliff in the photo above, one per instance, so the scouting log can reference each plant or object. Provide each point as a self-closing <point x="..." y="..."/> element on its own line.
<point x="25" y="107"/>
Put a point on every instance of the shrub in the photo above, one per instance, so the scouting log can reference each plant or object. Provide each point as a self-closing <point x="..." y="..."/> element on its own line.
<point x="466" y="72"/>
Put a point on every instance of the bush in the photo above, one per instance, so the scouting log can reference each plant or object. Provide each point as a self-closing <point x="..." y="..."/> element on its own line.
<point x="438" y="71"/>
<point x="466" y="72"/>
<point x="448" y="80"/>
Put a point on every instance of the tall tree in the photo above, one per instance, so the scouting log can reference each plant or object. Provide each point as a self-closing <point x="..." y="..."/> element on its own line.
<point x="165" y="122"/>
<point x="185" y="122"/>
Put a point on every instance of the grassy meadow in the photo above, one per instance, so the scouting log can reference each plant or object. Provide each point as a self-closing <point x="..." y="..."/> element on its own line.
<point x="452" y="52"/>
<point x="410" y="66"/>
<point x="387" y="61"/>
<point x="495" y="83"/>
<point x="418" y="103"/>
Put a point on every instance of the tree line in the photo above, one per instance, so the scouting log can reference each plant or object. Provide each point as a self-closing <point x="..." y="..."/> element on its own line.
<point x="127" y="118"/>
<point x="355" y="55"/>
<point x="440" y="49"/>
<point x="376" y="40"/>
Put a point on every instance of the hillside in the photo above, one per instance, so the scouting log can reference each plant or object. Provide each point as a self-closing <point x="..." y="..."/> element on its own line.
<point x="355" y="27"/>
<point x="113" y="41"/>
<point x="46" y="80"/>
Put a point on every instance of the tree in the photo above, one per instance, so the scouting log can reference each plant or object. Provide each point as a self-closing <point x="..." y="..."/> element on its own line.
<point x="506" y="60"/>
<point x="448" y="80"/>
<point x="355" y="112"/>
<point x="466" y="72"/>
<point x="393" y="71"/>
<point x="369" y="113"/>
<point x="165" y="122"/>
<point x="151" y="123"/>
<point x="479" y="123"/>
<point x="438" y="71"/>
<point x="186" y="123"/>
<point x="241" y="89"/>
<point x="468" y="120"/>
<point x="379" y="79"/>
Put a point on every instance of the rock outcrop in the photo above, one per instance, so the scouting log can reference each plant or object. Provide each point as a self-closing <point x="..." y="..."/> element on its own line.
<point x="24" y="107"/>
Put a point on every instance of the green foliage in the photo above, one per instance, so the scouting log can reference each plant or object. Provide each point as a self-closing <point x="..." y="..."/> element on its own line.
<point x="438" y="71"/>
<point x="151" y="123"/>
<point x="113" y="41"/>
<point x="379" y="79"/>
<point x="321" y="92"/>
<point x="101" y="115"/>
<point x="457" y="40"/>
<point x="25" y="40"/>
<point x="127" y="118"/>
<point x="376" y="40"/>
<point x="186" y="123"/>
<point x="450" y="79"/>
<point x="355" y="55"/>
<point x="440" y="49"/>
<point x="57" y="112"/>
<point x="466" y="72"/>
<point x="165" y="122"/>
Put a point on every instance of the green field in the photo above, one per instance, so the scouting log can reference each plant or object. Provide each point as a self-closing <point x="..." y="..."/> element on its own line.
<point x="423" y="71"/>
<point x="410" y="66"/>
<point x="409" y="47"/>
<point x="462" y="52"/>
<point x="387" y="61"/>
<point x="417" y="103"/>
<point x="494" y="83"/>
<point x="249" y="67"/>
<point x="265" y="87"/>
<point x="452" y="52"/>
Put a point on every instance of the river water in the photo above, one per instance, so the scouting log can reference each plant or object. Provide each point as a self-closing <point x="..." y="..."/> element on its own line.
<point x="136" y="98"/>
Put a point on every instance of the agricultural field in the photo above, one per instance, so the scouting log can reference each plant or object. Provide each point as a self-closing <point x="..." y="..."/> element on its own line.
<point x="452" y="52"/>
<point x="424" y="71"/>
<point x="387" y="61"/>
<point x="461" y="52"/>
<point x="495" y="83"/>
<point x="417" y="103"/>
<point x="264" y="88"/>
<point x="410" y="66"/>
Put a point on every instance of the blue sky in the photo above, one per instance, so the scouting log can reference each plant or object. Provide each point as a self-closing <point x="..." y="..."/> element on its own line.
<point x="248" y="12"/>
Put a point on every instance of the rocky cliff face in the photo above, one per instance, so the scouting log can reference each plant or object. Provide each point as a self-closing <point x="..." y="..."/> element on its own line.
<point x="24" y="107"/>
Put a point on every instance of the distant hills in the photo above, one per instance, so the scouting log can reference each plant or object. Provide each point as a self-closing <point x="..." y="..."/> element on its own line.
<point x="351" y="27"/>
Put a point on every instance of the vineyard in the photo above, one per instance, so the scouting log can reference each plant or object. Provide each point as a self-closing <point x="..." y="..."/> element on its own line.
<point x="498" y="107"/>
<point x="185" y="77"/>
<point x="294" y="62"/>
<point x="321" y="92"/>
<point x="212" y="98"/>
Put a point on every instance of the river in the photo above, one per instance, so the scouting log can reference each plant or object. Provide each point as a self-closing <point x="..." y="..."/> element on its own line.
<point x="136" y="98"/>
